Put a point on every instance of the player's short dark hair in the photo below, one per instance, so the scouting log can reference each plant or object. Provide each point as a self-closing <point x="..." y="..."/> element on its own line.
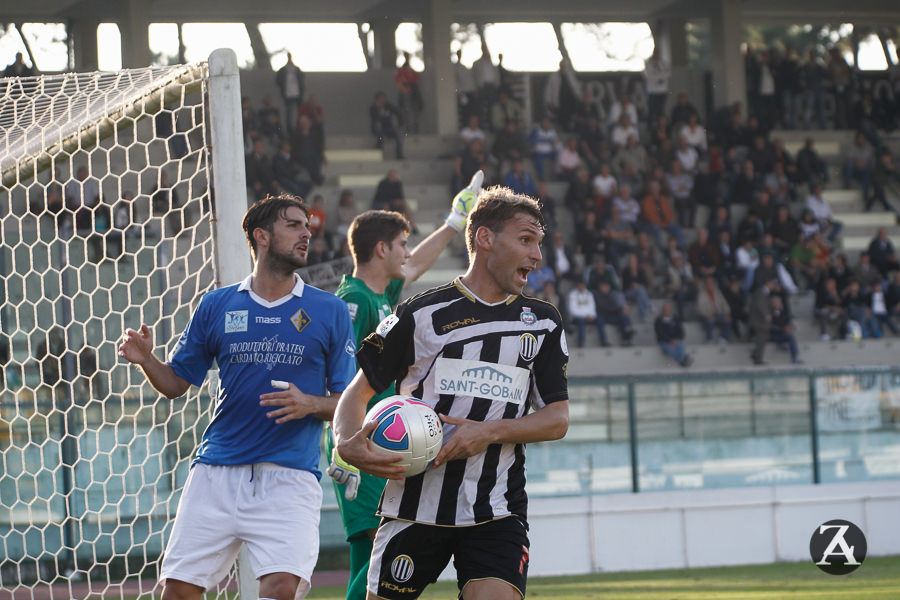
<point x="496" y="205"/>
<point x="371" y="227"/>
<point x="264" y="213"/>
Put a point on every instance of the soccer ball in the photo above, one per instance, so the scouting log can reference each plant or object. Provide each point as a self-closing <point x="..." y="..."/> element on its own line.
<point x="409" y="428"/>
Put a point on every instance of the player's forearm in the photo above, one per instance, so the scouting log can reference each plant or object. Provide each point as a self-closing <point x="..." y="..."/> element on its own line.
<point x="324" y="407"/>
<point x="427" y="251"/>
<point x="163" y="377"/>
<point x="549" y="423"/>
<point x="351" y="407"/>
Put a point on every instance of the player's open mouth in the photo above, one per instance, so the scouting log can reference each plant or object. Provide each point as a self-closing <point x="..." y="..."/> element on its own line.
<point x="523" y="273"/>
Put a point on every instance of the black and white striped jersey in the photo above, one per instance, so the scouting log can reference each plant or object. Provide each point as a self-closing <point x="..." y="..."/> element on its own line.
<point x="476" y="361"/>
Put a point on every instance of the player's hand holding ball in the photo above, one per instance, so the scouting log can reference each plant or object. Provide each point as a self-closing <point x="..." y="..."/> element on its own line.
<point x="464" y="202"/>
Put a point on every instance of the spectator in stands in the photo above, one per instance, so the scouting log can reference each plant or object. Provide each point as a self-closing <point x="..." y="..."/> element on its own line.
<point x="622" y="130"/>
<point x="544" y="145"/>
<point x="892" y="296"/>
<point x="318" y="252"/>
<point x="882" y="254"/>
<point x="812" y="80"/>
<point x="346" y="212"/>
<point x="809" y="259"/>
<point x="680" y="283"/>
<point x="389" y="196"/>
<point x="840" y="75"/>
<point x="657" y="73"/>
<point x="248" y="119"/>
<point x="681" y="186"/>
<point x="630" y="177"/>
<point x="589" y="235"/>
<point x="409" y="96"/>
<point x="858" y="306"/>
<point x="82" y="196"/>
<point x="657" y="214"/>
<point x="818" y="205"/>
<point x="582" y="309"/>
<point x="736" y="298"/>
<point x="568" y="161"/>
<point x="538" y="277"/>
<point x="18" y="68"/>
<point x="860" y="166"/>
<point x="650" y="259"/>
<point x="605" y="188"/>
<point x="292" y="83"/>
<point x="840" y="272"/>
<point x="317" y="218"/>
<point x="469" y="160"/>
<point x="548" y="206"/>
<point x="585" y="111"/>
<point x="561" y="94"/>
<point x="694" y="135"/>
<point x="762" y="155"/>
<point x="269" y="119"/>
<point x="550" y="294"/>
<point x="509" y="145"/>
<point x="312" y="109"/>
<point x="619" y="237"/>
<point x="781" y="329"/>
<point x="559" y="257"/>
<point x="786" y="87"/>
<point x="810" y="166"/>
<point x="766" y="99"/>
<point x="868" y="276"/>
<point x="760" y="318"/>
<point x="687" y="156"/>
<point x="713" y="310"/>
<point x="682" y="111"/>
<point x="719" y="221"/>
<point x="487" y="79"/>
<point x="386" y="121"/>
<point x="868" y="117"/>
<point x="611" y="310"/>
<point x="829" y="310"/>
<point x="635" y="284"/>
<point x="260" y="177"/>
<point x="886" y="177"/>
<point x="808" y="224"/>
<point x="623" y="106"/>
<point x="592" y="144"/>
<point x="471" y="131"/>
<point x="519" y="181"/>
<point x="670" y="335"/>
<point x="307" y="151"/>
<point x="288" y="174"/>
<point x="703" y="255"/>
<point x="580" y="194"/>
<point x="746" y="185"/>
<point x="506" y="109"/>
<point x="632" y="155"/>
<point x="762" y="208"/>
<point x="467" y="93"/>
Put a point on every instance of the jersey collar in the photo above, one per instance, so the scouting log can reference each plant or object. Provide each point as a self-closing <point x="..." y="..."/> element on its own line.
<point x="471" y="295"/>
<point x="297" y="291"/>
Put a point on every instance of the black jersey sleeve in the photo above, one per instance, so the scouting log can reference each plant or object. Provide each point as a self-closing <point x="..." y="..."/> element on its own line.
<point x="550" y="380"/>
<point x="386" y="354"/>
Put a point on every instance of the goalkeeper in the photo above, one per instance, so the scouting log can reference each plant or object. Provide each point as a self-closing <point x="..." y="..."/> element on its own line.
<point x="382" y="266"/>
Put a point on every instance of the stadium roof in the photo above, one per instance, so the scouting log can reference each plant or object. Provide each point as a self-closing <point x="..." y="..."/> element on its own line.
<point x="465" y="11"/>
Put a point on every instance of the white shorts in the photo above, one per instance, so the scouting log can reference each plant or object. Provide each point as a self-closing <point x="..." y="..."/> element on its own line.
<point x="273" y="509"/>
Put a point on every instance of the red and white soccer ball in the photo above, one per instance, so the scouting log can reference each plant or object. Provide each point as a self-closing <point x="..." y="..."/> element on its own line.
<point x="409" y="428"/>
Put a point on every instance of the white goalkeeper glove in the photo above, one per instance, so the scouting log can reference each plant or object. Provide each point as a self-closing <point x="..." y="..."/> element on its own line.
<point x="464" y="201"/>
<point x="344" y="474"/>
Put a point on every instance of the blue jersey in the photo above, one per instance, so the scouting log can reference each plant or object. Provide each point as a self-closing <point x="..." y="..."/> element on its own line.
<point x="305" y="338"/>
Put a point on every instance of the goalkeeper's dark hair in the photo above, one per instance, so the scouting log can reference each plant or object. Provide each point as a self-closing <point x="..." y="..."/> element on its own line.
<point x="371" y="227"/>
<point x="497" y="205"/>
<point x="264" y="213"/>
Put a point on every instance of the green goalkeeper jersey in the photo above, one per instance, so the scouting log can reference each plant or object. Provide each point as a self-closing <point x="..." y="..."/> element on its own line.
<point x="367" y="310"/>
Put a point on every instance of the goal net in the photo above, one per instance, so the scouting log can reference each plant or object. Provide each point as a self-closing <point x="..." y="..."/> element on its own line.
<point x="108" y="221"/>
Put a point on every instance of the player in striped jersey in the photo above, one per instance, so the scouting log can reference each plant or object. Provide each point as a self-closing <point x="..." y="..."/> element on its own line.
<point x="493" y="364"/>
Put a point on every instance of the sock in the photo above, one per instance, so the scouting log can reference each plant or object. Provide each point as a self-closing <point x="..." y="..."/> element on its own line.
<point x="360" y="551"/>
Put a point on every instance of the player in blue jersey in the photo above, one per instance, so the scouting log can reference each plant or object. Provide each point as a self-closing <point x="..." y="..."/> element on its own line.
<point x="255" y="476"/>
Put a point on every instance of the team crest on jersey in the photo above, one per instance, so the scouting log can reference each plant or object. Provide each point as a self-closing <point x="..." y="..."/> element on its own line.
<point x="236" y="321"/>
<point x="528" y="346"/>
<point x="300" y="320"/>
<point x="528" y="317"/>
<point x="350" y="348"/>
<point x="402" y="568"/>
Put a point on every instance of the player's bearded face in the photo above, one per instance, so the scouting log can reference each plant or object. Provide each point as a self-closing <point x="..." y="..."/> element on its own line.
<point x="290" y="241"/>
<point x="515" y="253"/>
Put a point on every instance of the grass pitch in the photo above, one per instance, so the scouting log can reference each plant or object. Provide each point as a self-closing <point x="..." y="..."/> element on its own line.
<point x="876" y="579"/>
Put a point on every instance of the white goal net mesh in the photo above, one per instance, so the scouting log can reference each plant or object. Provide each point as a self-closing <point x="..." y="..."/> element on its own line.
<point x="107" y="222"/>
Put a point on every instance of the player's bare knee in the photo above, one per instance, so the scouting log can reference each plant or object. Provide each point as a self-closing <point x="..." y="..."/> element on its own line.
<point x="181" y="590"/>
<point x="281" y="586"/>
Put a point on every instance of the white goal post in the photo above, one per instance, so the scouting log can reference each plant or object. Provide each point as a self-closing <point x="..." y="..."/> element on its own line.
<point x="121" y="197"/>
